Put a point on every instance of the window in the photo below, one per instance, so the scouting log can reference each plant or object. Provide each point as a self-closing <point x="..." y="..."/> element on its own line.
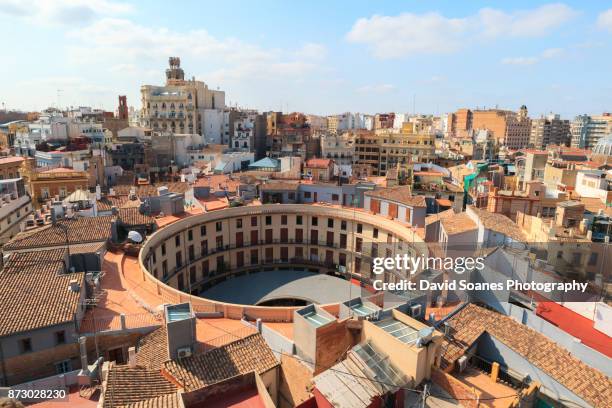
<point x="298" y="220"/>
<point x="165" y="268"/>
<point x="203" y="230"/>
<point x="219" y="242"/>
<point x="343" y="225"/>
<point x="163" y="249"/>
<point x="60" y="337"/>
<point x="307" y="194"/>
<point x="25" y="345"/>
<point x="358" y="244"/>
<point x="330" y="223"/>
<point x="268" y="220"/>
<point x="315" y="221"/>
<point x="253" y="221"/>
<point x="190" y="235"/>
<point x="63" y="367"/>
<point x="218" y="226"/>
<point x="283" y="220"/>
<point x="192" y="274"/>
<point x="593" y="259"/>
<point x="375" y="233"/>
<point x="239" y="223"/>
<point x="359" y="228"/>
<point x="177" y="240"/>
<point x="335" y="197"/>
<point x="179" y="259"/>
<point x="191" y="253"/>
<point x="343" y="241"/>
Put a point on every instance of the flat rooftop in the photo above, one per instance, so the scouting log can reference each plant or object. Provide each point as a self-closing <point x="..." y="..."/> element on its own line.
<point x="284" y="284"/>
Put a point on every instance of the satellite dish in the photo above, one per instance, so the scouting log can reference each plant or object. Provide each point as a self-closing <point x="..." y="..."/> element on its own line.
<point x="135" y="236"/>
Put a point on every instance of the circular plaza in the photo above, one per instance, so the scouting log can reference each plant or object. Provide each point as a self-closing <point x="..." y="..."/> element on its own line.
<point x="265" y="261"/>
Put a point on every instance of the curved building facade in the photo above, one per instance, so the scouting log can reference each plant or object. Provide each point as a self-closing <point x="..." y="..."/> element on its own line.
<point x="193" y="255"/>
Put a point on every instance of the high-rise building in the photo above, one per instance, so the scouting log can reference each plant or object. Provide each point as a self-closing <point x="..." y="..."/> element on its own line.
<point x="179" y="105"/>
<point x="587" y="130"/>
<point x="549" y="130"/>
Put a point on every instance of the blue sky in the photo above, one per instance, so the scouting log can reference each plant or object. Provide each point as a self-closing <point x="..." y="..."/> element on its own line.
<point x="317" y="57"/>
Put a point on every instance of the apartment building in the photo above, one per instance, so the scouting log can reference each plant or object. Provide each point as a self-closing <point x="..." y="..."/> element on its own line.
<point x="549" y="130"/>
<point x="507" y="127"/>
<point x="341" y="149"/>
<point x="587" y="130"/>
<point x="10" y="167"/>
<point x="42" y="304"/>
<point x="44" y="184"/>
<point x="178" y="106"/>
<point x="15" y="206"/>
<point x="409" y="145"/>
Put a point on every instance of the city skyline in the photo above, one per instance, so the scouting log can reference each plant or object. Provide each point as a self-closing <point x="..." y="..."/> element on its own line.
<point x="403" y="58"/>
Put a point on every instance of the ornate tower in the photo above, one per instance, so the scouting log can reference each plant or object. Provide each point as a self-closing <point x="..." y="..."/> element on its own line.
<point x="174" y="74"/>
<point x="122" y="110"/>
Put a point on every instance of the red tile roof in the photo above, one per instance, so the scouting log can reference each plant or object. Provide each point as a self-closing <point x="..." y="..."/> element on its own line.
<point x="400" y="194"/>
<point x="35" y="291"/>
<point x="318" y="163"/>
<point x="472" y="321"/>
<point x="239" y="357"/>
<point x="8" y="160"/>
<point x="78" y="230"/>
<point x="130" y="385"/>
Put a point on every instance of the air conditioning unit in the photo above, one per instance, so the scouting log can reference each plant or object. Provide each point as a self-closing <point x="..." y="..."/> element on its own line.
<point x="415" y="310"/>
<point x="184" y="352"/>
<point x="462" y="363"/>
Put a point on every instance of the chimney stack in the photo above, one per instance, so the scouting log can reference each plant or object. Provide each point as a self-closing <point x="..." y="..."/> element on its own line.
<point x="132" y="357"/>
<point x="74" y="285"/>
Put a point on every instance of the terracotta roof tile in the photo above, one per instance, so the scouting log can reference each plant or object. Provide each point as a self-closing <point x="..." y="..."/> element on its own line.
<point x="35" y="291"/>
<point x="400" y="194"/>
<point x="153" y="349"/>
<point x="106" y="203"/>
<point x="279" y="186"/>
<point x="239" y="357"/>
<point x="318" y="163"/>
<point x="472" y="321"/>
<point x="79" y="230"/>
<point x="133" y="216"/>
<point x="129" y="385"/>
<point x="499" y="223"/>
<point x="458" y="224"/>
<point x="163" y="401"/>
<point x="442" y="214"/>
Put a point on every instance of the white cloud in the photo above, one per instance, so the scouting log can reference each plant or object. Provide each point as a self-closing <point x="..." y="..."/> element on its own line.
<point x="520" y="61"/>
<point x="378" y="88"/>
<point x="552" y="52"/>
<point x="312" y="51"/>
<point x="546" y="54"/>
<point x="525" y="23"/>
<point x="408" y="33"/>
<point x="132" y="48"/>
<point x="59" y="12"/>
<point x="392" y="37"/>
<point x="604" y="20"/>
